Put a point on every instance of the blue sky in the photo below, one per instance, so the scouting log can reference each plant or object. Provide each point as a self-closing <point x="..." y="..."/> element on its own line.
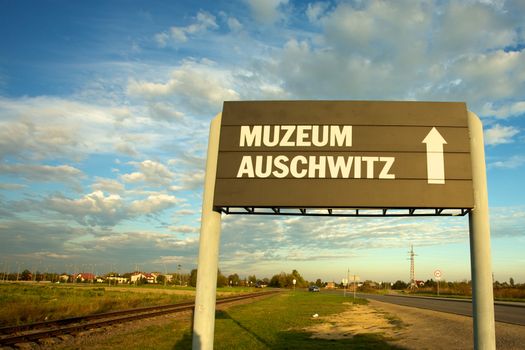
<point x="105" y="108"/>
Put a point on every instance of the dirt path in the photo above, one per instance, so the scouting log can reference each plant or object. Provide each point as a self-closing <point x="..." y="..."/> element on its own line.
<point x="413" y="328"/>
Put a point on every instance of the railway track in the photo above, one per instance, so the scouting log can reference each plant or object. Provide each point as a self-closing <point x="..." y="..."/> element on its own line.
<point x="49" y="329"/>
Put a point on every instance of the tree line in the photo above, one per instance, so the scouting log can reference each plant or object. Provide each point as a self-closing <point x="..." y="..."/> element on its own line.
<point x="280" y="280"/>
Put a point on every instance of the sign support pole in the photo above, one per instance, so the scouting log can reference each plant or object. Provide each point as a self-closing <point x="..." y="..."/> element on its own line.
<point x="480" y="259"/>
<point x="205" y="298"/>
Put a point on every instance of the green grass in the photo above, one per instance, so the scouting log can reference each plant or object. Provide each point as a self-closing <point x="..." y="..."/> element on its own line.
<point x="279" y="322"/>
<point x="235" y="290"/>
<point x="276" y="322"/>
<point x="28" y="303"/>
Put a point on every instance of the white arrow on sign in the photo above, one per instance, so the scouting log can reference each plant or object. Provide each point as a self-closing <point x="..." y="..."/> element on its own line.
<point x="435" y="159"/>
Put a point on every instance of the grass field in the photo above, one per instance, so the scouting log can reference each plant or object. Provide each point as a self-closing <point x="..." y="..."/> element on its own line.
<point x="279" y="323"/>
<point x="28" y="303"/>
<point x="276" y="322"/>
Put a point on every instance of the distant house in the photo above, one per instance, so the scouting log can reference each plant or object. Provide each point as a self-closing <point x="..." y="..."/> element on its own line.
<point x="117" y="279"/>
<point x="330" y="285"/>
<point x="136" y="276"/>
<point x="85" y="277"/>
<point x="420" y="283"/>
<point x="64" y="278"/>
<point x="149" y="277"/>
<point x="261" y="284"/>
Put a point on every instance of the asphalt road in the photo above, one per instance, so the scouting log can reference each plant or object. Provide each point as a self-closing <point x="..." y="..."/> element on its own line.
<point x="504" y="312"/>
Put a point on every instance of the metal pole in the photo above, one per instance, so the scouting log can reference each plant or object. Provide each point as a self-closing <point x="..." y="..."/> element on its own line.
<point x="347" y="279"/>
<point x="205" y="298"/>
<point x="480" y="259"/>
<point x="355" y="287"/>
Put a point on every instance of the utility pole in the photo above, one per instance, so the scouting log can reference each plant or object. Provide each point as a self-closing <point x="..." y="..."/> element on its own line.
<point x="346" y="284"/>
<point x="355" y="287"/>
<point x="165" y="274"/>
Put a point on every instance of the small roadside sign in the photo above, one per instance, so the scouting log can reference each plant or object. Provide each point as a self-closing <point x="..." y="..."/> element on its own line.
<point x="437" y="274"/>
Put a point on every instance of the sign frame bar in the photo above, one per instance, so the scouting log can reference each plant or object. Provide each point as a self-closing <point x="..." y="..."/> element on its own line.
<point x="338" y="212"/>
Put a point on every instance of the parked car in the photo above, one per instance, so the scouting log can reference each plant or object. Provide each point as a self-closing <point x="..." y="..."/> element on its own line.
<point x="313" y="289"/>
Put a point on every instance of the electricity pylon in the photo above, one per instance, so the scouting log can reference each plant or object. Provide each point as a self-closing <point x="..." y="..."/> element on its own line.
<point x="413" y="283"/>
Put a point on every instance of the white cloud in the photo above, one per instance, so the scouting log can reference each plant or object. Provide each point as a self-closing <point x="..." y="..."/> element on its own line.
<point x="52" y="255"/>
<point x="150" y="172"/>
<point x="184" y="229"/>
<point x="46" y="127"/>
<point x="490" y="30"/>
<point x="153" y="203"/>
<point x="148" y="89"/>
<point x="203" y="22"/>
<point x="92" y="209"/>
<point x="364" y="52"/>
<point x="133" y="177"/>
<point x="126" y="148"/>
<point x="234" y="24"/>
<point x="503" y="111"/>
<point x="267" y="11"/>
<point x="25" y="238"/>
<point x="499" y="134"/>
<point x="316" y="10"/>
<point x="185" y="212"/>
<point x="179" y="34"/>
<point x="44" y="173"/>
<point x="203" y="85"/>
<point x="336" y="234"/>
<point x="164" y="112"/>
<point x="490" y="76"/>
<point x="510" y="163"/>
<point x="98" y="209"/>
<point x="198" y="86"/>
<point x="107" y="185"/>
<point x="162" y="39"/>
<point x="508" y="221"/>
<point x="194" y="180"/>
<point x="5" y="186"/>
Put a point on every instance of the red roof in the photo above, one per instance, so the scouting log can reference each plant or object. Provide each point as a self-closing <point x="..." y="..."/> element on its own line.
<point x="86" y="276"/>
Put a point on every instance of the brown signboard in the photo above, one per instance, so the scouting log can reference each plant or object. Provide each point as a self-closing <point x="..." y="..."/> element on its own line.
<point x="344" y="154"/>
